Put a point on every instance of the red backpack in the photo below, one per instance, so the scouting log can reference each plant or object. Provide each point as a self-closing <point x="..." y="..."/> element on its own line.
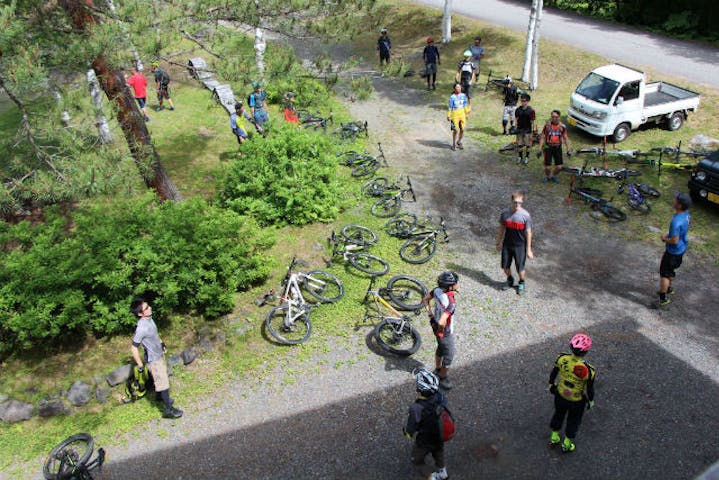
<point x="445" y="421"/>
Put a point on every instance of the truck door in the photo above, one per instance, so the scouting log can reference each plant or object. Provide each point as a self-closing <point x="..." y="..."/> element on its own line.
<point x="627" y="104"/>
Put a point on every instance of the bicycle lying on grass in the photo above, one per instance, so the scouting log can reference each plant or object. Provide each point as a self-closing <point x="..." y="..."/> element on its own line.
<point x="362" y="164"/>
<point x="512" y="148"/>
<point x="378" y="186"/>
<point x="593" y="197"/>
<point x="354" y="254"/>
<point x="314" y="120"/>
<point x="289" y="323"/>
<point x="390" y="204"/>
<point x="422" y="239"/>
<point x="393" y="332"/>
<point x="637" y="194"/>
<point x="349" y="132"/>
<point x="70" y="459"/>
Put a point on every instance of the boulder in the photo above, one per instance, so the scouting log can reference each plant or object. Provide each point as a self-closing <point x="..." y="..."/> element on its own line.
<point x="119" y="375"/>
<point x="188" y="356"/>
<point x="52" y="408"/>
<point x="205" y="343"/>
<point x="80" y="393"/>
<point x="101" y="394"/>
<point x="12" y="411"/>
<point x="173" y="360"/>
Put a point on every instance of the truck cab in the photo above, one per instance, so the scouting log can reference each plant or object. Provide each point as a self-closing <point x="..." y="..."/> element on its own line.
<point x="704" y="180"/>
<point x="615" y="99"/>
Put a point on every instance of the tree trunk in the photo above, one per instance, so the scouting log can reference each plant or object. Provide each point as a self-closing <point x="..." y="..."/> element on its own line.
<point x="447" y="22"/>
<point x="103" y="129"/>
<point x="128" y="114"/>
<point x="535" y="48"/>
<point x="260" y="47"/>
<point x="526" y="71"/>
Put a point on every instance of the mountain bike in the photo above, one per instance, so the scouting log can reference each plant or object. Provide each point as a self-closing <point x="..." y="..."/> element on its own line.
<point x="289" y="323"/>
<point x="390" y="204"/>
<point x="597" y="151"/>
<point x="676" y="162"/>
<point x="637" y="194"/>
<point x="355" y="255"/>
<point x="378" y="186"/>
<point x="349" y="132"/>
<point x="363" y="164"/>
<point x="512" y="148"/>
<point x="593" y="197"/>
<point x="401" y="225"/>
<point x="315" y="121"/>
<point x="70" y="459"/>
<point x="422" y="244"/>
<point x="358" y="235"/>
<point x="393" y="332"/>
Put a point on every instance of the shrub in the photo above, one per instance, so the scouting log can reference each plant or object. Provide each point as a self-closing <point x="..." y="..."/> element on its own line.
<point x="288" y="178"/>
<point x="75" y="274"/>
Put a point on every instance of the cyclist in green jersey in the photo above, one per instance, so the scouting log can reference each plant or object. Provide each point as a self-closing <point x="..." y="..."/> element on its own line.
<point x="573" y="392"/>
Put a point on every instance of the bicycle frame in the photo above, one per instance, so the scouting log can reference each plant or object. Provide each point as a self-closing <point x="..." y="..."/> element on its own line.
<point x="379" y="303"/>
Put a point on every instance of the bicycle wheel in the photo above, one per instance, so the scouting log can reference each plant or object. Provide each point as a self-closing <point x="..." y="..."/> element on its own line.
<point x="572" y="170"/>
<point x="610" y="211"/>
<point x="624" y="173"/>
<point x="71" y="452"/>
<point x="418" y="249"/>
<point x="638" y="205"/>
<point x="365" y="168"/>
<point x="589" y="191"/>
<point x="397" y="336"/>
<point x="285" y="331"/>
<point x="342" y="135"/>
<point x="406" y="292"/>
<point x="401" y="226"/>
<point x="386" y="207"/>
<point x="358" y="235"/>
<point x="648" y="190"/>
<point x="369" y="264"/>
<point x="375" y="187"/>
<point x="324" y="286"/>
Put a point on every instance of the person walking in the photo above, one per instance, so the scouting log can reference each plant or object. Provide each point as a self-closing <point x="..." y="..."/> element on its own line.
<point x="162" y="85"/>
<point x="553" y="135"/>
<point x="514" y="240"/>
<point x="458" y="110"/>
<point x="511" y="97"/>
<point x="138" y="82"/>
<point x="430" y="55"/>
<point x="146" y="335"/>
<point x="572" y="393"/>
<point x="465" y="75"/>
<point x="440" y="319"/>
<point x="384" y="46"/>
<point x="422" y="420"/>
<point x="676" y="241"/>
<point x="526" y="128"/>
<point x="477" y="54"/>
<point x="258" y="106"/>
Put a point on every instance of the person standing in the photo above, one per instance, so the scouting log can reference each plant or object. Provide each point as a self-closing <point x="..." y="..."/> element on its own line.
<point x="146" y="335"/>
<point x="440" y="319"/>
<point x="573" y="393"/>
<point x="525" y="117"/>
<point x="457" y="113"/>
<point x="553" y="135"/>
<point x="138" y="82"/>
<point x="258" y="106"/>
<point x="162" y="85"/>
<point x="430" y="54"/>
<point x="511" y="97"/>
<point x="514" y="240"/>
<point x="423" y="421"/>
<point x="477" y="54"/>
<point x="384" y="45"/>
<point x="676" y="244"/>
<point x="465" y="75"/>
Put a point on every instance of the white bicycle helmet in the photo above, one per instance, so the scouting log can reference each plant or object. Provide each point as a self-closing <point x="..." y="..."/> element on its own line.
<point x="427" y="382"/>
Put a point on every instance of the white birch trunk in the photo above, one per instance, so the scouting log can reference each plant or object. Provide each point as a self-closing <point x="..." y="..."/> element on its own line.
<point x="447" y="22"/>
<point x="535" y="48"/>
<point x="260" y="47"/>
<point x="530" y="40"/>
<point x="103" y="129"/>
<point x="65" y="115"/>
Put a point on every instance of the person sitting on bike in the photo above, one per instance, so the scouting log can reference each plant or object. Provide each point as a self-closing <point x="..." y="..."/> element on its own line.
<point x="423" y="421"/>
<point x="466" y="74"/>
<point x="290" y="109"/>
<point x="525" y="117"/>
<point x="573" y="392"/>
<point x="459" y="109"/>
<point x="440" y="319"/>
<point x="511" y="97"/>
<point x="550" y="143"/>
<point x="430" y="55"/>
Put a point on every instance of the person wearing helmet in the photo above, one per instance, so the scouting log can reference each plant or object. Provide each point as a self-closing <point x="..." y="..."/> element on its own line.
<point x="477" y="54"/>
<point x="422" y="420"/>
<point x="573" y="392"/>
<point x="162" y="85"/>
<point x="458" y="110"/>
<point x="430" y="55"/>
<point x="237" y="123"/>
<point x="466" y="74"/>
<point x="511" y="97"/>
<point x="440" y="319"/>
<point x="290" y="109"/>
<point x="514" y="240"/>
<point x="258" y="105"/>
<point x="384" y="46"/>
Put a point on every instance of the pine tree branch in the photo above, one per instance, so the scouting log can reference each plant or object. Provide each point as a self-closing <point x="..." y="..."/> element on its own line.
<point x="192" y="38"/>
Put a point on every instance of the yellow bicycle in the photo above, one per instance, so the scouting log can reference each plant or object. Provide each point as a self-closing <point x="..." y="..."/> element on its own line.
<point x="393" y="333"/>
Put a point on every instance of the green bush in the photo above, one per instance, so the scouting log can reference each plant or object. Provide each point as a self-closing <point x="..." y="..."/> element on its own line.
<point x="288" y="178"/>
<point x="76" y="273"/>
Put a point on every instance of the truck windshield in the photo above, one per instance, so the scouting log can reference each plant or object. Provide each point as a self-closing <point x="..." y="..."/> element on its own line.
<point x="597" y="88"/>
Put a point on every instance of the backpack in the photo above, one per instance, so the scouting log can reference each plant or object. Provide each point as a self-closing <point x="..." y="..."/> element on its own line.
<point x="136" y="386"/>
<point x="165" y="78"/>
<point x="445" y="421"/>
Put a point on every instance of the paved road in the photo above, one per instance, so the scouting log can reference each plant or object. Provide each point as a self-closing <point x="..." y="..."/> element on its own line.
<point x="693" y="62"/>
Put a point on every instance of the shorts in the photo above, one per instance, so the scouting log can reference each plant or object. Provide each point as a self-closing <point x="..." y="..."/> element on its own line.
<point x="467" y="88"/>
<point x="158" y="370"/>
<point x="163" y="92"/>
<point x="141" y="102"/>
<point x="431" y="68"/>
<point x="383" y="56"/>
<point x="552" y="152"/>
<point x="669" y="263"/>
<point x="241" y="134"/>
<point x="458" y="119"/>
<point x="445" y="349"/>
<point x="524" y="139"/>
<point x="508" y="115"/>
<point x="261" y="117"/>
<point x="517" y="253"/>
<point x="421" y="451"/>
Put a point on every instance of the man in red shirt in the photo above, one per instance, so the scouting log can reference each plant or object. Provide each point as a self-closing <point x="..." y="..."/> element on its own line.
<point x="138" y="82"/>
<point x="550" y="144"/>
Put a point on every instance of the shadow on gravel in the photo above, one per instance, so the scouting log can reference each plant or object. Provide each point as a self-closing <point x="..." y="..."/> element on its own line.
<point x="479" y="276"/>
<point x="655" y="417"/>
<point x="393" y="362"/>
<point x="435" y="143"/>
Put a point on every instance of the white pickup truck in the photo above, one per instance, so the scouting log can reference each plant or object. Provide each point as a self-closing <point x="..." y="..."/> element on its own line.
<point x="614" y="100"/>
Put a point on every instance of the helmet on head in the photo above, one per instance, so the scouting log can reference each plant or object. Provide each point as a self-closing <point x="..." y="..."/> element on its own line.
<point x="384" y="30"/>
<point x="447" y="279"/>
<point x="581" y="342"/>
<point x="155" y="64"/>
<point x="427" y="382"/>
<point x="256" y="84"/>
<point x="430" y="40"/>
<point x="467" y="53"/>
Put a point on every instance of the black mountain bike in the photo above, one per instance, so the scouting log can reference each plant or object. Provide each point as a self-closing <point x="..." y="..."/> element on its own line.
<point x="390" y="204"/>
<point x="593" y="197"/>
<point x="421" y="245"/>
<point x="70" y="459"/>
<point x="349" y="132"/>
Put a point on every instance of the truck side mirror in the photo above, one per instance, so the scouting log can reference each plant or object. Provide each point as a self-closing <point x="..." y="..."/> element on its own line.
<point x="619" y="100"/>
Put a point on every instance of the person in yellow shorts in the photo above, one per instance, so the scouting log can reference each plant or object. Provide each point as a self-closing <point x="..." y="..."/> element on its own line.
<point x="457" y="113"/>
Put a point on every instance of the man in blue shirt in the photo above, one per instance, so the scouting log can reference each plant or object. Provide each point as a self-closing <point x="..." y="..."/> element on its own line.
<point x="676" y="241"/>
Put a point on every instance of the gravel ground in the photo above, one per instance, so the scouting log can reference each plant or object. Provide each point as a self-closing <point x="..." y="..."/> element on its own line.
<point x="341" y="418"/>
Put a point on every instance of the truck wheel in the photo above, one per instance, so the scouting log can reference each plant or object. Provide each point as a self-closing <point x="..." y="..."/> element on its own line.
<point x="675" y="121"/>
<point x="621" y="132"/>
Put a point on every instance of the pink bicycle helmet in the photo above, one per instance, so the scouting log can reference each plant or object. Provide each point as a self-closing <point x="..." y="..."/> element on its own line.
<point x="581" y="342"/>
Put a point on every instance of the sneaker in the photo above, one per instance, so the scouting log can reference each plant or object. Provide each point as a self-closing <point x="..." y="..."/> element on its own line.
<point x="664" y="302"/>
<point x="434" y="87"/>
<point x="526" y="160"/>
<point x="508" y="284"/>
<point x="453" y="148"/>
<point x="172" y="108"/>
<point x="554" y="439"/>
<point x="555" y="179"/>
<point x="521" y="288"/>
<point x="445" y="383"/>
<point x="670" y="291"/>
<point x="172" y="412"/>
<point x="460" y="146"/>
<point x="440" y="475"/>
<point x="568" y="445"/>
<point x="147" y="119"/>
<point x="545" y="180"/>
<point x="519" y="160"/>
<point x="157" y="109"/>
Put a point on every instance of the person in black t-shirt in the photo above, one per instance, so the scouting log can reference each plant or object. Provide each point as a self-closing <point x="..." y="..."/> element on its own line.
<point x="430" y="55"/>
<point x="511" y="97"/>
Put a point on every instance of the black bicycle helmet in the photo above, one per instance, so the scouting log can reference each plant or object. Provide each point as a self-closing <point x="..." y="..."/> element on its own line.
<point x="447" y="279"/>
